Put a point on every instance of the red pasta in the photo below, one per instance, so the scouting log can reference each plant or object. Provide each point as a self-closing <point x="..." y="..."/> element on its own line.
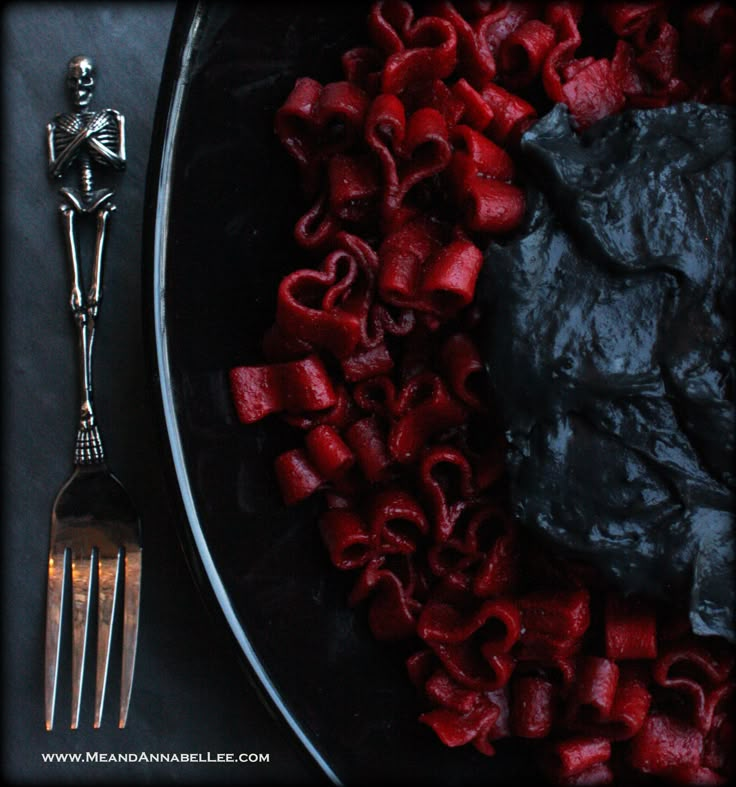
<point x="476" y="114"/>
<point x="596" y="685"/>
<point x="475" y="53"/>
<point x="463" y="367"/>
<point x="631" y="705"/>
<point x="353" y="187"/>
<point x="492" y="205"/>
<point x="576" y="756"/>
<point x="296" y="386"/>
<point x="317" y="228"/>
<point x="362" y="66"/>
<point x="425" y="152"/>
<point x="446" y="479"/>
<point x="296" y="475"/>
<point x="384" y="322"/>
<point x="308" y="120"/>
<point x="497" y="572"/>
<point x="559" y="615"/>
<point x="373" y="362"/>
<point x="347" y="539"/>
<point x="512" y="115"/>
<point x="497" y="24"/>
<point x="385" y="129"/>
<point x="629" y="19"/>
<point x="475" y="153"/>
<point x="692" y="669"/>
<point x="559" y="671"/>
<point x="295" y="117"/>
<point x="409" y="165"/>
<point x="454" y="728"/>
<point x="501" y="726"/>
<point x="523" y="53"/>
<point x="486" y="554"/>
<point x="392" y="608"/>
<point x="442" y="690"/>
<point x="659" y="48"/>
<point x="593" y="93"/>
<point x="495" y="624"/>
<point x="311" y="305"/>
<point x="367" y="440"/>
<point x="665" y="742"/>
<point x="396" y="521"/>
<point x="340" y="415"/>
<point x="424" y="407"/>
<point x="328" y="452"/>
<point x="388" y="23"/>
<point x="448" y="282"/>
<point x="563" y="17"/>
<point x="470" y="667"/>
<point x="376" y="395"/>
<point x="532" y="709"/>
<point x="719" y="743"/>
<point x="431" y="52"/>
<point x="478" y="175"/>
<point x="402" y="256"/>
<point x="631" y="629"/>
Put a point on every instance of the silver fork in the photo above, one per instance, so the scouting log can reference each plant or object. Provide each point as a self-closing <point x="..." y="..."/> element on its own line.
<point x="95" y="529"/>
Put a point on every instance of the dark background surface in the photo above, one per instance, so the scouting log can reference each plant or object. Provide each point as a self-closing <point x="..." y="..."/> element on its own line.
<point x="190" y="694"/>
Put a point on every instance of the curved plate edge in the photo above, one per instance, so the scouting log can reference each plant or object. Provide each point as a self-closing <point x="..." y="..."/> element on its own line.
<point x="182" y="46"/>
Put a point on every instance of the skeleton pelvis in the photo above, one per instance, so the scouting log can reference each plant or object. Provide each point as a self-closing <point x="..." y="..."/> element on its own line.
<point x="86" y="202"/>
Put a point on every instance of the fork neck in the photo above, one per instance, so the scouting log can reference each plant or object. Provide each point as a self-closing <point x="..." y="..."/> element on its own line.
<point x="88" y="448"/>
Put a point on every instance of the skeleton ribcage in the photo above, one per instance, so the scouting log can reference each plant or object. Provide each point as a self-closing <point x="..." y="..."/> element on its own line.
<point x="68" y="125"/>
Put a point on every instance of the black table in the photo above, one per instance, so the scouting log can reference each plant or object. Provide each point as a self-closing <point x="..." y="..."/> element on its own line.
<point x="190" y="695"/>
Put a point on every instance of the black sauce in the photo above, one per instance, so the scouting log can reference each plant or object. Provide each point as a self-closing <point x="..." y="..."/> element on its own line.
<point x="610" y="350"/>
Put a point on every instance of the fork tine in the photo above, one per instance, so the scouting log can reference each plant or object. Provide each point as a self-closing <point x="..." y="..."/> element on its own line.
<point x="131" y="607"/>
<point x="54" y="606"/>
<point x="107" y="584"/>
<point x="81" y="579"/>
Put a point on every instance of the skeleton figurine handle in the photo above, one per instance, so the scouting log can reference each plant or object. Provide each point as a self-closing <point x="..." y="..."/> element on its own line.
<point x="83" y="140"/>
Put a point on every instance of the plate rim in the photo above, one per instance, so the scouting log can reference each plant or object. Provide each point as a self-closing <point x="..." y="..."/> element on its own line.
<point x="188" y="21"/>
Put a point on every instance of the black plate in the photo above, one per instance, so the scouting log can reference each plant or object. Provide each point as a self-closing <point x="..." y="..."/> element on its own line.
<point x="222" y="200"/>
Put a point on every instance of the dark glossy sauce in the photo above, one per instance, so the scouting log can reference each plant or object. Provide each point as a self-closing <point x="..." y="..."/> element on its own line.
<point x="610" y="349"/>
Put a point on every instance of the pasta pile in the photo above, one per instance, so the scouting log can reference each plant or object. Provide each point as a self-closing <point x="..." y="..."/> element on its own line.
<point x="410" y="166"/>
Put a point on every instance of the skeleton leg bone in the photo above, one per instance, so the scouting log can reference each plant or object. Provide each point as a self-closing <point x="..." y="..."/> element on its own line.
<point x="95" y="291"/>
<point x="94" y="294"/>
<point x="67" y="219"/>
<point x="88" y="443"/>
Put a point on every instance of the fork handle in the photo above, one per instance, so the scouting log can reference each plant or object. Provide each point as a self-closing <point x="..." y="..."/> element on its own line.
<point x="88" y="447"/>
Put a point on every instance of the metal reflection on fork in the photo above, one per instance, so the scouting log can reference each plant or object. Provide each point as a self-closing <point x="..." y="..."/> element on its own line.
<point x="95" y="529"/>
